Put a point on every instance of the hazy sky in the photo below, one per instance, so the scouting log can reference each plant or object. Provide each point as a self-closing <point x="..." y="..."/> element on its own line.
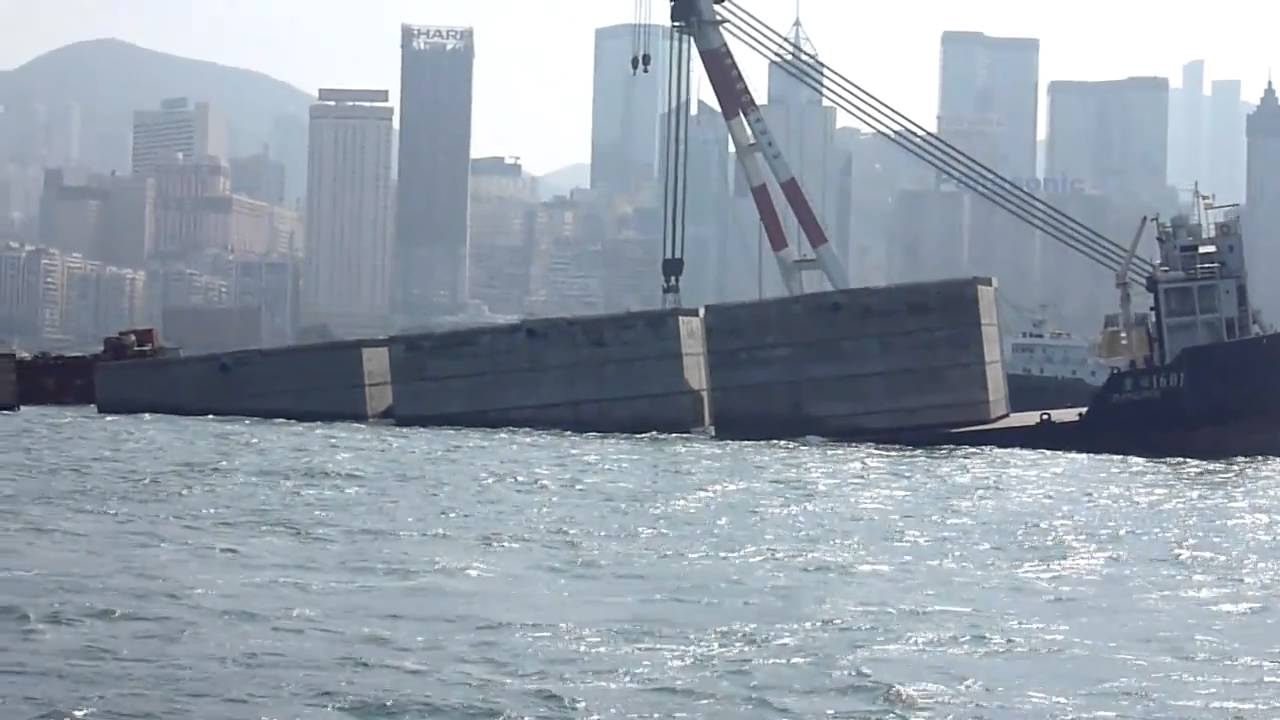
<point x="534" y="57"/>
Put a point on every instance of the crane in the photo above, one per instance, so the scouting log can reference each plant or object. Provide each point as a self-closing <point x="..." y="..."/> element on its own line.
<point x="752" y="142"/>
<point x="896" y="127"/>
<point x="710" y="22"/>
<point x="1122" y="284"/>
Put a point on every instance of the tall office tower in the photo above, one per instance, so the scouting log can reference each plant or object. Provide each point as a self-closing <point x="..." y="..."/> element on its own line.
<point x="177" y="129"/>
<point x="628" y="109"/>
<point x="1226" y="142"/>
<point x="988" y="99"/>
<point x="1262" y="205"/>
<point x="1110" y="137"/>
<point x="706" y="210"/>
<point x="793" y="87"/>
<point x="436" y="75"/>
<point x="805" y="130"/>
<point x="1191" y="138"/>
<point x="347" y="279"/>
<point x="987" y="106"/>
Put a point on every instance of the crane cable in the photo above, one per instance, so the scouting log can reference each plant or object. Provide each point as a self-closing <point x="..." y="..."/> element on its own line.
<point x="1099" y="252"/>
<point x="676" y="166"/>
<point x="646" y="56"/>
<point x="927" y="147"/>
<point x="1012" y="193"/>
<point x="635" y="37"/>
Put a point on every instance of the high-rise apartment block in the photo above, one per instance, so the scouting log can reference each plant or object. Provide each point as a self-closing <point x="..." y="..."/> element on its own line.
<point x="55" y="300"/>
<point x="105" y="218"/>
<point x="178" y="130"/>
<point x="567" y="263"/>
<point x="197" y="216"/>
<point x="503" y="198"/>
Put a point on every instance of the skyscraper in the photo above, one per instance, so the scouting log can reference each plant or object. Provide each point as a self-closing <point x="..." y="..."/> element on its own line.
<point x="987" y="106"/>
<point x="1226" y="142"/>
<point x="436" y="72"/>
<point x="785" y="87"/>
<point x="1191" y="141"/>
<point x="805" y="131"/>
<point x="1110" y="136"/>
<point x="1262" y="205"/>
<point x="708" y="275"/>
<point x="989" y="97"/>
<point x="627" y="108"/>
<point x="178" y="128"/>
<point x="347" y="279"/>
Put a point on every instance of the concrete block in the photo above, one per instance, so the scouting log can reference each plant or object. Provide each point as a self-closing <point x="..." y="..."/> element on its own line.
<point x="328" y="381"/>
<point x="853" y="362"/>
<point x="633" y="372"/>
<point x="8" y="381"/>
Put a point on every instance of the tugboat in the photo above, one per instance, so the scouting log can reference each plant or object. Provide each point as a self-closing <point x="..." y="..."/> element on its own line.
<point x="1208" y="383"/>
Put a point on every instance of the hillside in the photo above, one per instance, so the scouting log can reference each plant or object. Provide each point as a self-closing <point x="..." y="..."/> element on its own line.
<point x="564" y="180"/>
<point x="111" y="78"/>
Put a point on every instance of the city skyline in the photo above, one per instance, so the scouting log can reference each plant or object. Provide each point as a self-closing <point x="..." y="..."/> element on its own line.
<point x="595" y="248"/>
<point x="526" y="46"/>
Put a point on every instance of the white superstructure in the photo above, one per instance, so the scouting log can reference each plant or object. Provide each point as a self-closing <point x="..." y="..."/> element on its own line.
<point x="1043" y="351"/>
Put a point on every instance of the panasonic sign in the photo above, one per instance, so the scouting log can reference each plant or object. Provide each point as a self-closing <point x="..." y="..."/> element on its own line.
<point x="427" y="38"/>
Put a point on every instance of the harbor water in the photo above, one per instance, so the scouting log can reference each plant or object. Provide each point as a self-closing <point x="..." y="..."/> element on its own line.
<point x="156" y="568"/>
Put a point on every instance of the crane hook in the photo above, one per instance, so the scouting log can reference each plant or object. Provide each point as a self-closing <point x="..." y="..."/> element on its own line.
<point x="635" y="64"/>
<point x="646" y="60"/>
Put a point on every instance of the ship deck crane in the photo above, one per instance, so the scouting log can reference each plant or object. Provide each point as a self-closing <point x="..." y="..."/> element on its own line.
<point x="1122" y="284"/>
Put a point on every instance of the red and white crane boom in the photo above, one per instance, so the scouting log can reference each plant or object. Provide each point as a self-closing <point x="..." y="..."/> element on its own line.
<point x="742" y="113"/>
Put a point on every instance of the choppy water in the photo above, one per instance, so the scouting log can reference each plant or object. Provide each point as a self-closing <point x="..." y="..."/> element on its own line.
<point x="155" y="567"/>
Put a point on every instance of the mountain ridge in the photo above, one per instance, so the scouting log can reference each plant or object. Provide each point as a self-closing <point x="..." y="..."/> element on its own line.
<point x="110" y="78"/>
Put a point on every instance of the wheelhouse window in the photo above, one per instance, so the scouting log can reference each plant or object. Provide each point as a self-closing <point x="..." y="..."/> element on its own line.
<point x="1207" y="295"/>
<point x="1211" y="330"/>
<point x="1180" y="302"/>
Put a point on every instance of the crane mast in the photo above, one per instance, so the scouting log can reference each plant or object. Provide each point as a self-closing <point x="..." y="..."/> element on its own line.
<point x="752" y="141"/>
<point x="1122" y="284"/>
